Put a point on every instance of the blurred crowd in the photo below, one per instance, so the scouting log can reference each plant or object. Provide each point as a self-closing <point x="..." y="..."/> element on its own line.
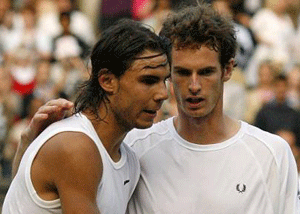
<point x="45" y="46"/>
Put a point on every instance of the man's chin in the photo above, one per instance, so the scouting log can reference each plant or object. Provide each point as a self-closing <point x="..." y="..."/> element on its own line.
<point x="144" y="125"/>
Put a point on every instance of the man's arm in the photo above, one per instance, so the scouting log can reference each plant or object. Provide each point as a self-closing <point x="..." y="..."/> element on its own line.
<point x="288" y="198"/>
<point x="52" y="111"/>
<point x="69" y="166"/>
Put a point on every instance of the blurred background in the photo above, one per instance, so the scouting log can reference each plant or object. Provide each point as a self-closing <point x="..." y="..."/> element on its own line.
<point x="45" y="47"/>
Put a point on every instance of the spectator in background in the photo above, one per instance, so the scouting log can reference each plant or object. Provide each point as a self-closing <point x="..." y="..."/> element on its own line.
<point x="243" y="35"/>
<point x="68" y="73"/>
<point x="68" y="43"/>
<point x="141" y="9"/>
<point x="49" y="26"/>
<point x="258" y="96"/>
<point x="160" y="10"/>
<point x="10" y="30"/>
<point x="274" y="31"/>
<point x="9" y="109"/>
<point x="293" y="93"/>
<point x="14" y="133"/>
<point x="20" y="33"/>
<point x="44" y="84"/>
<point x="244" y="10"/>
<point x="10" y="101"/>
<point x="250" y="7"/>
<point x="23" y="71"/>
<point x="4" y="8"/>
<point x="277" y="114"/>
<point x="29" y="38"/>
<point x="113" y="10"/>
<point x="296" y="47"/>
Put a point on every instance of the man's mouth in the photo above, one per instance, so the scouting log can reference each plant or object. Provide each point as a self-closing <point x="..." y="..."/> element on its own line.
<point x="150" y="111"/>
<point x="194" y="100"/>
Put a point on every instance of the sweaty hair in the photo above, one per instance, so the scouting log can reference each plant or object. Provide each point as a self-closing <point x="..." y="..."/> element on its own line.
<point x="119" y="46"/>
<point x="195" y="26"/>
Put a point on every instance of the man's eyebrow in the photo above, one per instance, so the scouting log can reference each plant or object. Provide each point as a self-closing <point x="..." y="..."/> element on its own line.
<point x="200" y="69"/>
<point x="180" y="68"/>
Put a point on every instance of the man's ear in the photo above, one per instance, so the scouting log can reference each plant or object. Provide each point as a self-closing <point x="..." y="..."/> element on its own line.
<point x="108" y="81"/>
<point x="228" y="70"/>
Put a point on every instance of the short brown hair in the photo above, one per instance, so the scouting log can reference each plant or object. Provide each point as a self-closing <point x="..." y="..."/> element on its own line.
<point x="199" y="25"/>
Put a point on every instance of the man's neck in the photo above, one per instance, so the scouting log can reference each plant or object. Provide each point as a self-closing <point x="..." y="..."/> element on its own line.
<point x="110" y="133"/>
<point x="206" y="130"/>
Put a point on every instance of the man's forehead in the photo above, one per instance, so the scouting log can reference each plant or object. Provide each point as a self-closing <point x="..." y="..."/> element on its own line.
<point x="193" y="49"/>
<point x="151" y="58"/>
<point x="149" y="55"/>
<point x="150" y="62"/>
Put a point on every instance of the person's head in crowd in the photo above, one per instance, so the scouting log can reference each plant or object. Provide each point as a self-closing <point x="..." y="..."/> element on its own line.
<point x="65" y="5"/>
<point x="294" y="77"/>
<point x="161" y="5"/>
<point x="280" y="88"/>
<point x="43" y="71"/>
<point x="5" y="81"/>
<point x="23" y="57"/>
<point x="5" y="5"/>
<point x="29" y="16"/>
<point x="266" y="73"/>
<point x="65" y="21"/>
<point x="223" y="7"/>
<point x="278" y="6"/>
<point x="125" y="50"/>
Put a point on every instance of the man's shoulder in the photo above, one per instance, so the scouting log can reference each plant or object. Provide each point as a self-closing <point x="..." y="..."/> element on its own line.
<point x="159" y="128"/>
<point x="74" y="122"/>
<point x="143" y="139"/>
<point x="258" y="133"/>
<point x="274" y="143"/>
<point x="74" y="132"/>
<point x="69" y="143"/>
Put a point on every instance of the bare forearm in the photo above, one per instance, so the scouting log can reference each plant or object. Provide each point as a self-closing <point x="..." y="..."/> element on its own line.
<point x="23" y="144"/>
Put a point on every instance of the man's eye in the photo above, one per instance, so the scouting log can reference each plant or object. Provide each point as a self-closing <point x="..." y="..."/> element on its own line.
<point x="206" y="72"/>
<point x="182" y="72"/>
<point x="149" y="81"/>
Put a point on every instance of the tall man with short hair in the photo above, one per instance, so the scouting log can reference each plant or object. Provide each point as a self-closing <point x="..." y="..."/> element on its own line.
<point x="203" y="161"/>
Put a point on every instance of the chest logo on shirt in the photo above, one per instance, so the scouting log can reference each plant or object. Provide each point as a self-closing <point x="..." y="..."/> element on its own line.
<point x="126" y="182"/>
<point x="241" y="188"/>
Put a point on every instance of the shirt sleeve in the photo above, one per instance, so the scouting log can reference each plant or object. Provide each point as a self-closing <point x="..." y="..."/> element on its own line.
<point x="289" y="198"/>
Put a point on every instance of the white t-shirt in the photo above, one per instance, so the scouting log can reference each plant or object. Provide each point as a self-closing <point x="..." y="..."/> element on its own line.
<point x="115" y="189"/>
<point x="252" y="172"/>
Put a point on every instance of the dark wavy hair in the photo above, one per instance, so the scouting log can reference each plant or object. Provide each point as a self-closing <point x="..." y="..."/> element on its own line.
<point x="199" y="25"/>
<point x="116" y="50"/>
